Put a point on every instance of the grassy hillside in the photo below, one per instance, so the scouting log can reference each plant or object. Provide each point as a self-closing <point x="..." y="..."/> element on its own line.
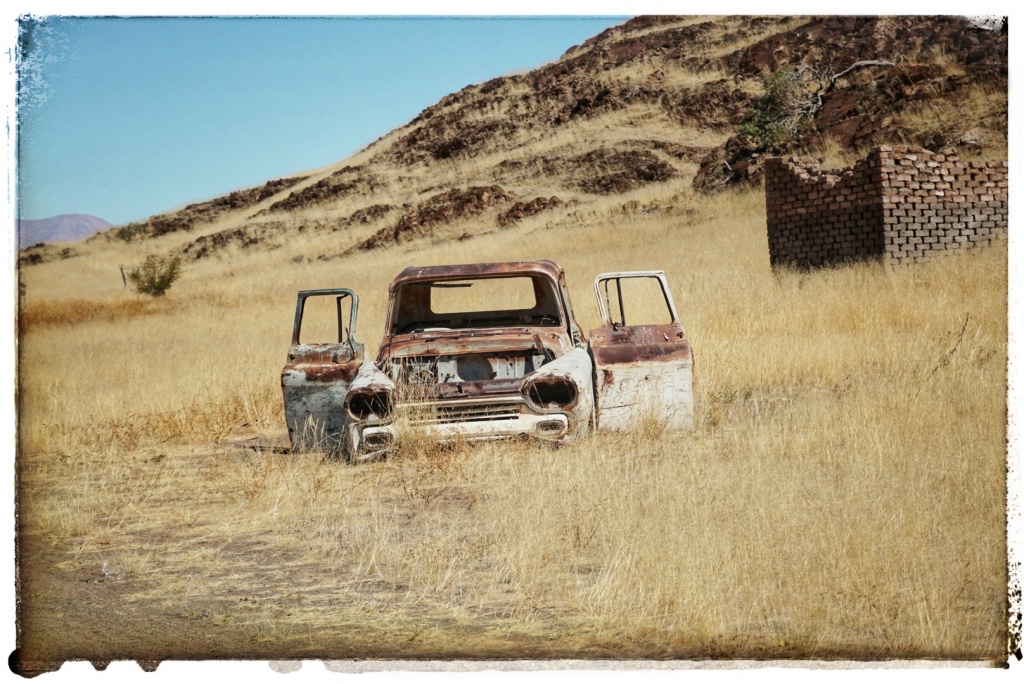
<point x="841" y="495"/>
<point x="653" y="100"/>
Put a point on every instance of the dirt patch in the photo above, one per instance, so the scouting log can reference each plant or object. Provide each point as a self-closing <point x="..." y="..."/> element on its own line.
<point x="81" y="615"/>
<point x="443" y="208"/>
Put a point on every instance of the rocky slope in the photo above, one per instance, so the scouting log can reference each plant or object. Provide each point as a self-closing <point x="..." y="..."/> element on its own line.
<point x="655" y="102"/>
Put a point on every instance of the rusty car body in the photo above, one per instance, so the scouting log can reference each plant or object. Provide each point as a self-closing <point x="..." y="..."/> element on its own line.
<point x="506" y="359"/>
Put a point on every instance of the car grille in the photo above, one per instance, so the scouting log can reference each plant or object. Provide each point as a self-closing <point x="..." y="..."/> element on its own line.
<point x="440" y="414"/>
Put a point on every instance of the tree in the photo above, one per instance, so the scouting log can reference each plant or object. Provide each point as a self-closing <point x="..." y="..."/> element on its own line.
<point x="779" y="112"/>
<point x="791" y="100"/>
<point x="156" y="275"/>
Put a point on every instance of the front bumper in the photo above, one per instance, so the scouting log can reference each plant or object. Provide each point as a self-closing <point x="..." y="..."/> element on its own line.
<point x="372" y="441"/>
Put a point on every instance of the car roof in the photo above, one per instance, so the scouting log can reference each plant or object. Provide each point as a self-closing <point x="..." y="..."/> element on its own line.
<point x="544" y="267"/>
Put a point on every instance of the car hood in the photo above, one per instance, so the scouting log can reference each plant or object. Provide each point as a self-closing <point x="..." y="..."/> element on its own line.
<point x="475" y="341"/>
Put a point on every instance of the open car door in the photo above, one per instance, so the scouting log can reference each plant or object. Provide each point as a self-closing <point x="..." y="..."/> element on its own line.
<point x="322" y="363"/>
<point x="643" y="364"/>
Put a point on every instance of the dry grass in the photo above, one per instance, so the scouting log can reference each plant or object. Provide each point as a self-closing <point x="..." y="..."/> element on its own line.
<point x="667" y="75"/>
<point x="842" y="494"/>
<point x="946" y="118"/>
<point x="832" y="154"/>
<point x="782" y="25"/>
<point x="76" y="311"/>
<point x="938" y="55"/>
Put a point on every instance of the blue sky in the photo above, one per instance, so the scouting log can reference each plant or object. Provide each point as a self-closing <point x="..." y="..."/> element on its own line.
<point x="123" y="118"/>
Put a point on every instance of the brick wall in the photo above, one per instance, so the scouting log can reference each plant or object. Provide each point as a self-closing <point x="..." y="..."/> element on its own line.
<point x="935" y="202"/>
<point x="816" y="217"/>
<point x="900" y="204"/>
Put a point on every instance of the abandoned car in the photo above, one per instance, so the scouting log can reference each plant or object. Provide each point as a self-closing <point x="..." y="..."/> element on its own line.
<point x="487" y="351"/>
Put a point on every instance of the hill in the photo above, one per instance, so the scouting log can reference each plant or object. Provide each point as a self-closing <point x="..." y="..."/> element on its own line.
<point x="654" y="99"/>
<point x="62" y="228"/>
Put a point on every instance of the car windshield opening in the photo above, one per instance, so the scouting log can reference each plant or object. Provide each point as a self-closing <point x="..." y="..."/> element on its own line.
<point x="475" y="303"/>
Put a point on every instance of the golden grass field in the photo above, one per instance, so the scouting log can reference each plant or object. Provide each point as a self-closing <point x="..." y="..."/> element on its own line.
<point x="843" y="493"/>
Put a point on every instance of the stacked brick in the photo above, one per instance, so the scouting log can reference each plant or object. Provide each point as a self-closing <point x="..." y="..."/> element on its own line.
<point x="820" y="218"/>
<point x="899" y="204"/>
<point x="935" y="202"/>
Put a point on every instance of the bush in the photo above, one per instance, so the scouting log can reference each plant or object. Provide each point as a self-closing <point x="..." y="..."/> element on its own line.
<point x="129" y="232"/>
<point x="779" y="113"/>
<point x="156" y="275"/>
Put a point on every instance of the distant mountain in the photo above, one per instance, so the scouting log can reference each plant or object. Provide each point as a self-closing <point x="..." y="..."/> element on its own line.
<point x="63" y="228"/>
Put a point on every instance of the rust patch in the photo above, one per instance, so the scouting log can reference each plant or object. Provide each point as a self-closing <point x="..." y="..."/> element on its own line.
<point x="325" y="371"/>
<point x="457" y="272"/>
<point x="478" y="388"/>
<point x="639" y="343"/>
<point x="433" y="344"/>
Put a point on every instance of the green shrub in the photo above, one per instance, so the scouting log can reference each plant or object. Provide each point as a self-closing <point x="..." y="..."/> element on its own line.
<point x="156" y="275"/>
<point x="780" y="112"/>
<point x="131" y="231"/>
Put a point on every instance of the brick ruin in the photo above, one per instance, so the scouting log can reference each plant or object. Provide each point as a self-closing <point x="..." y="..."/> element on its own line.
<point x="899" y="204"/>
